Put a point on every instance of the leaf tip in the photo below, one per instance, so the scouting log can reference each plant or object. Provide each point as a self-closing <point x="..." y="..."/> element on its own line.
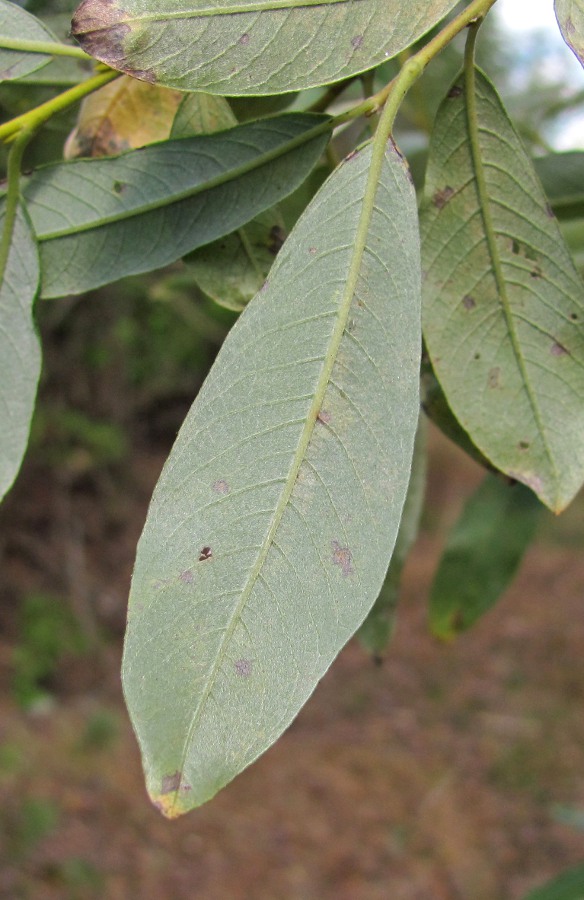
<point x="100" y="28"/>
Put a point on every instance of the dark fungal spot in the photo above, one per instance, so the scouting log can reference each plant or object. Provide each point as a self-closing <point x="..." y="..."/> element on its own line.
<point x="244" y="39"/>
<point x="515" y="246"/>
<point x="536" y="272"/>
<point x="468" y="302"/>
<point x="343" y="558"/>
<point x="455" y="91"/>
<point x="206" y="553"/>
<point x="558" y="349"/>
<point x="186" y="577"/>
<point x="170" y="783"/>
<point x="494" y="378"/>
<point x="441" y="197"/>
<point x="574" y="317"/>
<point x="357" y="41"/>
<point x="119" y="187"/>
<point x="243" y="667"/>
<point x="221" y="486"/>
<point x="523" y="445"/>
<point x="477" y="356"/>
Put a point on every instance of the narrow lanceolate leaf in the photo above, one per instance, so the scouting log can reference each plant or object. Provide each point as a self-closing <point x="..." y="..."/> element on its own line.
<point x="149" y="207"/>
<point x="123" y="115"/>
<point x="233" y="269"/>
<point x="236" y="47"/>
<point x="482" y="554"/>
<point x="377" y="629"/>
<point x="272" y="525"/>
<point x="16" y="24"/>
<point x="20" y="355"/>
<point x="503" y="303"/>
<point x="570" y="16"/>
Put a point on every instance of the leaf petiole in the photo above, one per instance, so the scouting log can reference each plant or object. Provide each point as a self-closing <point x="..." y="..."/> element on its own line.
<point x="50" y="48"/>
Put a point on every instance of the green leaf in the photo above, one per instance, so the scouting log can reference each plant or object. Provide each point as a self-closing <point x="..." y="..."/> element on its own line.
<point x="99" y="220"/>
<point x="17" y="24"/>
<point x="482" y="554"/>
<point x="271" y="528"/>
<point x="570" y="16"/>
<point x="377" y="629"/>
<point x="567" y="886"/>
<point x="562" y="177"/>
<point x="20" y="355"/>
<point x="233" y="269"/>
<point x="503" y="303"/>
<point x="238" y="47"/>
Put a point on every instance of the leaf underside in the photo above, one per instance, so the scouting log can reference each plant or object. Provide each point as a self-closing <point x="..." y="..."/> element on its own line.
<point x="20" y="355"/>
<point x="18" y="24"/>
<point x="149" y="207"/>
<point x="271" y="528"/>
<point x="570" y="16"/>
<point x="238" y="47"/>
<point x="503" y="306"/>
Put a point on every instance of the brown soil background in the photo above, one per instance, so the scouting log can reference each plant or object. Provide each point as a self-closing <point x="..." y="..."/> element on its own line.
<point x="445" y="774"/>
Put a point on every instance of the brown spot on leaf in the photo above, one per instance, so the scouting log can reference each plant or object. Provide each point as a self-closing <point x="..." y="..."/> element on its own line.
<point x="342" y="557"/>
<point x="477" y="356"/>
<point x="469" y="302"/>
<point x="455" y="91"/>
<point x="99" y="27"/>
<point x="119" y="187"/>
<point x="441" y="197"/>
<point x="352" y="155"/>
<point x="312" y="250"/>
<point x="535" y="272"/>
<point x="170" y="783"/>
<point x="206" y="553"/>
<point x="549" y="211"/>
<point x="357" y="41"/>
<point x="515" y="246"/>
<point x="494" y="378"/>
<point x="324" y="416"/>
<point x="243" y="667"/>
<point x="221" y="487"/>
<point x="558" y="349"/>
<point x="523" y="445"/>
<point x="187" y="577"/>
<point x="244" y="39"/>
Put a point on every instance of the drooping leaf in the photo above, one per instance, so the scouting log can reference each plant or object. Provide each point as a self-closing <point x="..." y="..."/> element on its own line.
<point x="233" y="269"/>
<point x="377" y="629"/>
<point x="20" y="355"/>
<point x="562" y="177"/>
<point x="237" y="47"/>
<point x="570" y="16"/>
<point x="123" y="115"/>
<point x="503" y="303"/>
<point x="16" y="23"/>
<point x="149" y="207"/>
<point x="567" y="886"/>
<point x="270" y="530"/>
<point x="482" y="554"/>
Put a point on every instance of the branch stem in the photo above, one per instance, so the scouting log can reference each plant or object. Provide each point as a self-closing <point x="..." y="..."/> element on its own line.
<point x="50" y="48"/>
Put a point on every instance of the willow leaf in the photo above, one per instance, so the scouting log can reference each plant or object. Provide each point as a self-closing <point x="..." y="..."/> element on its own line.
<point x="271" y="527"/>
<point x="238" y="47"/>
<point x="482" y="554"/>
<point x="570" y="16"/>
<point x="149" y="207"/>
<point x="503" y="303"/>
<point x="17" y="24"/>
<point x="20" y="355"/>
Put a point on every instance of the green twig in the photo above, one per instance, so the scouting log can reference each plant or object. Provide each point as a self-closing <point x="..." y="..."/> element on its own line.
<point x="50" y="48"/>
<point x="34" y="118"/>
<point x="12" y="197"/>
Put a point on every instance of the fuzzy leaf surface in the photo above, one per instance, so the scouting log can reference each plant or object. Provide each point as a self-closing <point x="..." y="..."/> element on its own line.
<point x="503" y="303"/>
<point x="238" y="47"/>
<point x="20" y="355"/>
<point x="272" y="525"/>
<point x="16" y="23"/>
<point x="149" y="207"/>
<point x="570" y="16"/>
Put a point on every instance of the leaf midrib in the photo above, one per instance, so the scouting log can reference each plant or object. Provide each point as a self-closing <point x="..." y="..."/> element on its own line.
<point x="218" y="180"/>
<point x="303" y="443"/>
<point x="491" y="239"/>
